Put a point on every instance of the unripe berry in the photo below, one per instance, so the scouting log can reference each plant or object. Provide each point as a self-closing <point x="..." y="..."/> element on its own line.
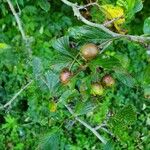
<point x="89" y="51"/>
<point x="65" y="76"/>
<point x="97" y="89"/>
<point x="108" y="80"/>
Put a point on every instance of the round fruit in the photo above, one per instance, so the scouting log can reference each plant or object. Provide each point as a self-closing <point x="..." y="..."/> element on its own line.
<point x="89" y="51"/>
<point x="65" y="76"/>
<point x="97" y="89"/>
<point x="108" y="80"/>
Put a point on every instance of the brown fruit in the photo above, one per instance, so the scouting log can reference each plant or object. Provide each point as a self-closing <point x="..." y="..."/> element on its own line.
<point x="108" y="80"/>
<point x="89" y="51"/>
<point x="65" y="76"/>
<point x="97" y="89"/>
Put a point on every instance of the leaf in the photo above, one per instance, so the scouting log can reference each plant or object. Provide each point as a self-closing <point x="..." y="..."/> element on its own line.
<point x="67" y="95"/>
<point x="88" y="34"/>
<point x="52" y="106"/>
<point x="44" y="4"/>
<point x="52" y="81"/>
<point x="107" y="63"/>
<point x="84" y="107"/>
<point x="126" y="115"/>
<point x="37" y="67"/>
<point x="146" y="28"/>
<point x="108" y="146"/>
<point x="62" y="45"/>
<point x="124" y="77"/>
<point x="50" y="141"/>
<point x="113" y="12"/>
<point x="3" y="46"/>
<point x="138" y="6"/>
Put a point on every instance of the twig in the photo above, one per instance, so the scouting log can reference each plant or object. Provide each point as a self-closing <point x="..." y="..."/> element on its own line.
<point x="20" y="27"/>
<point x="87" y="126"/>
<point x="77" y="13"/>
<point x="87" y="5"/>
<point x="111" y="21"/>
<point x="17" y="20"/>
<point x="16" y="95"/>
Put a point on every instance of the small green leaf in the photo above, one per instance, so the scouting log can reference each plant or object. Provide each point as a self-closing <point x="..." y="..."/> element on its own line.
<point x="88" y="34"/>
<point x="108" y="146"/>
<point x="52" y="81"/>
<point x="62" y="45"/>
<point x="138" y="6"/>
<point x="50" y="141"/>
<point x="84" y="107"/>
<point x="44" y="4"/>
<point x="67" y="95"/>
<point x="146" y="28"/>
<point x="124" y="77"/>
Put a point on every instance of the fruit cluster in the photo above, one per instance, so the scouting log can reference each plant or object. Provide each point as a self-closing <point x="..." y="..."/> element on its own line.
<point x="88" y="52"/>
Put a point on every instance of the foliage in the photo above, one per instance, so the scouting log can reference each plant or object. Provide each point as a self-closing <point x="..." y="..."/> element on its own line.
<point x="37" y="118"/>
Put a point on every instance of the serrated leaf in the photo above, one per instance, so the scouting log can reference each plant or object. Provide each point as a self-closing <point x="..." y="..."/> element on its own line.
<point x="107" y="63"/>
<point x="146" y="28"/>
<point x="113" y="12"/>
<point x="138" y="6"/>
<point x="67" y="95"/>
<point x="52" y="81"/>
<point x="84" y="108"/>
<point x="108" y="146"/>
<point x="44" y="4"/>
<point x="126" y="115"/>
<point x="60" y="62"/>
<point x="124" y="77"/>
<point x="50" y="141"/>
<point x="37" y="67"/>
<point x="62" y="45"/>
<point x="88" y="34"/>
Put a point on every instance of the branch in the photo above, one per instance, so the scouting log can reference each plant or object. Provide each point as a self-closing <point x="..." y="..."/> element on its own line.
<point x="77" y="13"/>
<point x="16" y="95"/>
<point x="17" y="19"/>
<point x="87" y="126"/>
<point x="20" y="26"/>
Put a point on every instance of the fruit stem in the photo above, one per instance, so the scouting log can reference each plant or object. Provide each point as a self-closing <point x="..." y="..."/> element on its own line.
<point x="75" y="59"/>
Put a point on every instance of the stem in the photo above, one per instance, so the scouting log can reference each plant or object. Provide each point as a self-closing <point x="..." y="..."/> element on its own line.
<point x="75" y="59"/>
<point x="77" y="13"/>
<point x="16" y="95"/>
<point x="87" y="126"/>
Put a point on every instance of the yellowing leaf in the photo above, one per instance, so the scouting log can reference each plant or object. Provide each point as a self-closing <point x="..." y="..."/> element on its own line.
<point x="52" y="106"/>
<point x="114" y="12"/>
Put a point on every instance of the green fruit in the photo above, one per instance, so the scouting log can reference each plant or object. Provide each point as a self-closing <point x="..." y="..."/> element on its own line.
<point x="97" y="89"/>
<point x="89" y="51"/>
<point x="65" y="76"/>
<point x="108" y="80"/>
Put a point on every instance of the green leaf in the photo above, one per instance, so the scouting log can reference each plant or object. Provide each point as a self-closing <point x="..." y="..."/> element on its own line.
<point x="44" y="4"/>
<point x="146" y="28"/>
<point x="37" y="67"/>
<point x="68" y="95"/>
<point x="84" y="107"/>
<point x="138" y="6"/>
<point x="88" y="34"/>
<point x="124" y="77"/>
<point x="126" y="115"/>
<point x="107" y="63"/>
<point x="50" y="141"/>
<point x="108" y="146"/>
<point x="52" y="81"/>
<point x="62" y="45"/>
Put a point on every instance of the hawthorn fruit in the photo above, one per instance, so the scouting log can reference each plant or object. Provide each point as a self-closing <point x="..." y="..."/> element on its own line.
<point x="97" y="89"/>
<point x="65" y="76"/>
<point x="89" y="51"/>
<point x="108" y="81"/>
